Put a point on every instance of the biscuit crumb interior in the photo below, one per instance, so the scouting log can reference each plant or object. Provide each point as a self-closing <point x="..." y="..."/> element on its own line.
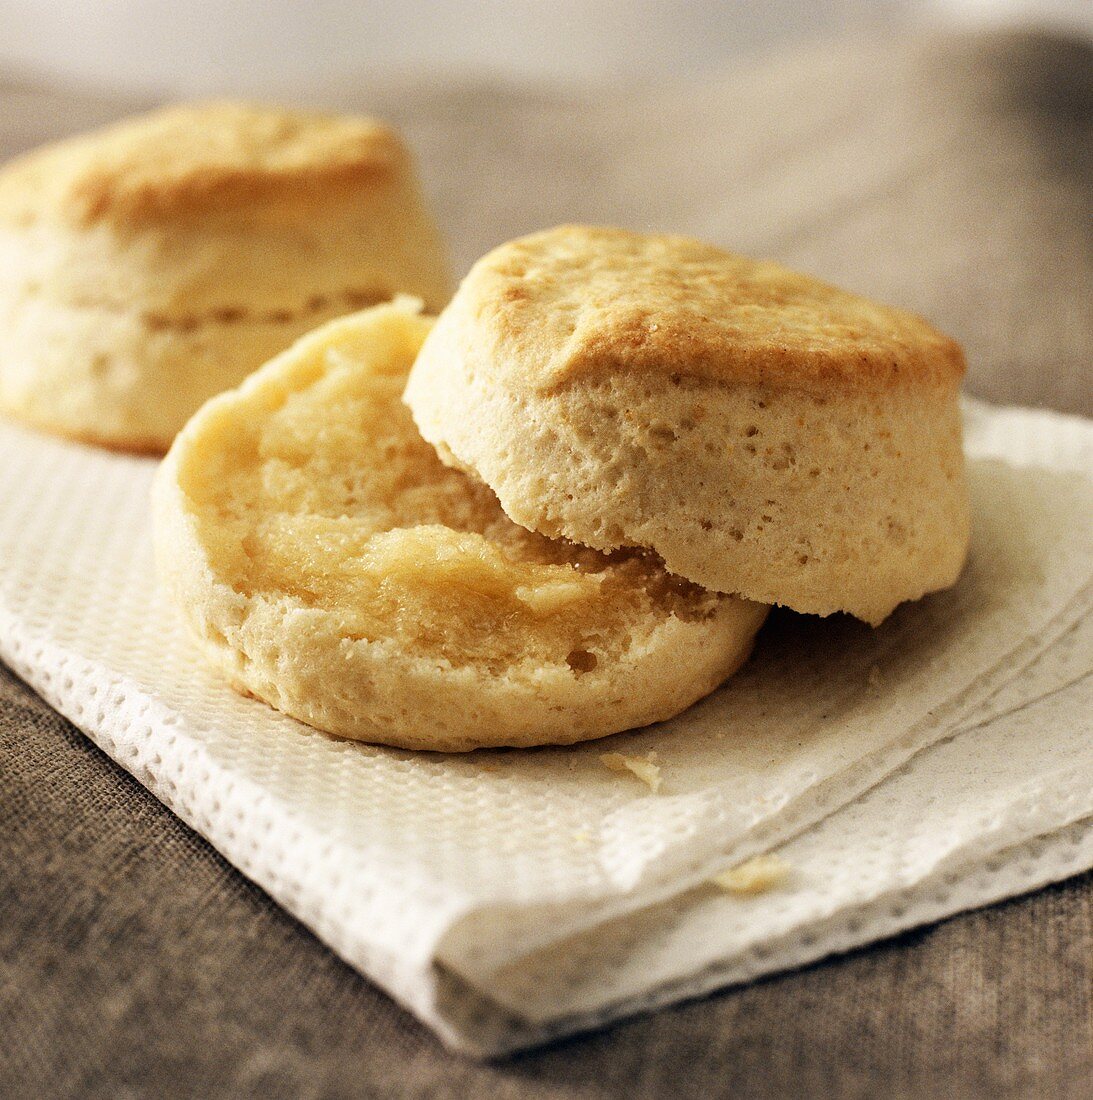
<point x="312" y="488"/>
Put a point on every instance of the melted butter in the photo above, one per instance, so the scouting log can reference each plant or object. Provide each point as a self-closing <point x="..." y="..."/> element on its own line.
<point x="465" y="562"/>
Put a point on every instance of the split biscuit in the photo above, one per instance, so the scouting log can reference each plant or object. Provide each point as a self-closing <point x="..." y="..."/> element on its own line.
<point x="146" y="266"/>
<point x="764" y="433"/>
<point x="328" y="562"/>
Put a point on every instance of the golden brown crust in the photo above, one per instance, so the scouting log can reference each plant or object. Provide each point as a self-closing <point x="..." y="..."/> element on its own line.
<point x="148" y="266"/>
<point x="574" y="301"/>
<point x="195" y="157"/>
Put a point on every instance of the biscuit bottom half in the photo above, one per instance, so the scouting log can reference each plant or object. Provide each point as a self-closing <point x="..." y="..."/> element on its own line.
<point x="118" y="379"/>
<point x="328" y="563"/>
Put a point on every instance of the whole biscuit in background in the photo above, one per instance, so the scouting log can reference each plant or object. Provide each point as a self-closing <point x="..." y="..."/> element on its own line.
<point x="146" y="266"/>
<point x="764" y="433"/>
<point x="330" y="564"/>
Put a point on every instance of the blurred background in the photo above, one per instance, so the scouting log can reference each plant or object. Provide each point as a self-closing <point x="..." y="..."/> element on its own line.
<point x="319" y="48"/>
<point x="935" y="154"/>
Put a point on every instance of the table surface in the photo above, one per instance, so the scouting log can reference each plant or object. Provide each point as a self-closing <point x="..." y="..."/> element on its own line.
<point x="953" y="175"/>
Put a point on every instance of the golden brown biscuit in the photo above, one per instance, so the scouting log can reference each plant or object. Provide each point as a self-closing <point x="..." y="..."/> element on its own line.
<point x="329" y="563"/>
<point x="766" y="434"/>
<point x="151" y="264"/>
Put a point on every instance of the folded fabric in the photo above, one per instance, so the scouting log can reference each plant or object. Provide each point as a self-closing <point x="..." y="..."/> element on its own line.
<point x="459" y="883"/>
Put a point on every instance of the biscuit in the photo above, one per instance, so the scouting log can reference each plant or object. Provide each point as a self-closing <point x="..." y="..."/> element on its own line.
<point x="764" y="433"/>
<point x="328" y="563"/>
<point x="149" y="265"/>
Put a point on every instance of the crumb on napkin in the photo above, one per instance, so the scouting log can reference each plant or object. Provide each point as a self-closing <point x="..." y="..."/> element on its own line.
<point x="753" y="876"/>
<point x="646" y="768"/>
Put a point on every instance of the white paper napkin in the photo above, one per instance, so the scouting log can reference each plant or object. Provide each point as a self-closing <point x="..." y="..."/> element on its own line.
<point x="480" y="890"/>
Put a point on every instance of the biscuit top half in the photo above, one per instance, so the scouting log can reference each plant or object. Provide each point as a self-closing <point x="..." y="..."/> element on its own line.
<point x="194" y="158"/>
<point x="576" y="302"/>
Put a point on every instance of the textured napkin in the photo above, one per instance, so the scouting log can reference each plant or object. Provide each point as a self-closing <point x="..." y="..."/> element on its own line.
<point x="507" y="897"/>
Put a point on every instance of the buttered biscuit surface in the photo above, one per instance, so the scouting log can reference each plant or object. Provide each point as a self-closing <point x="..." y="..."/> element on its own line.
<point x="333" y="566"/>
